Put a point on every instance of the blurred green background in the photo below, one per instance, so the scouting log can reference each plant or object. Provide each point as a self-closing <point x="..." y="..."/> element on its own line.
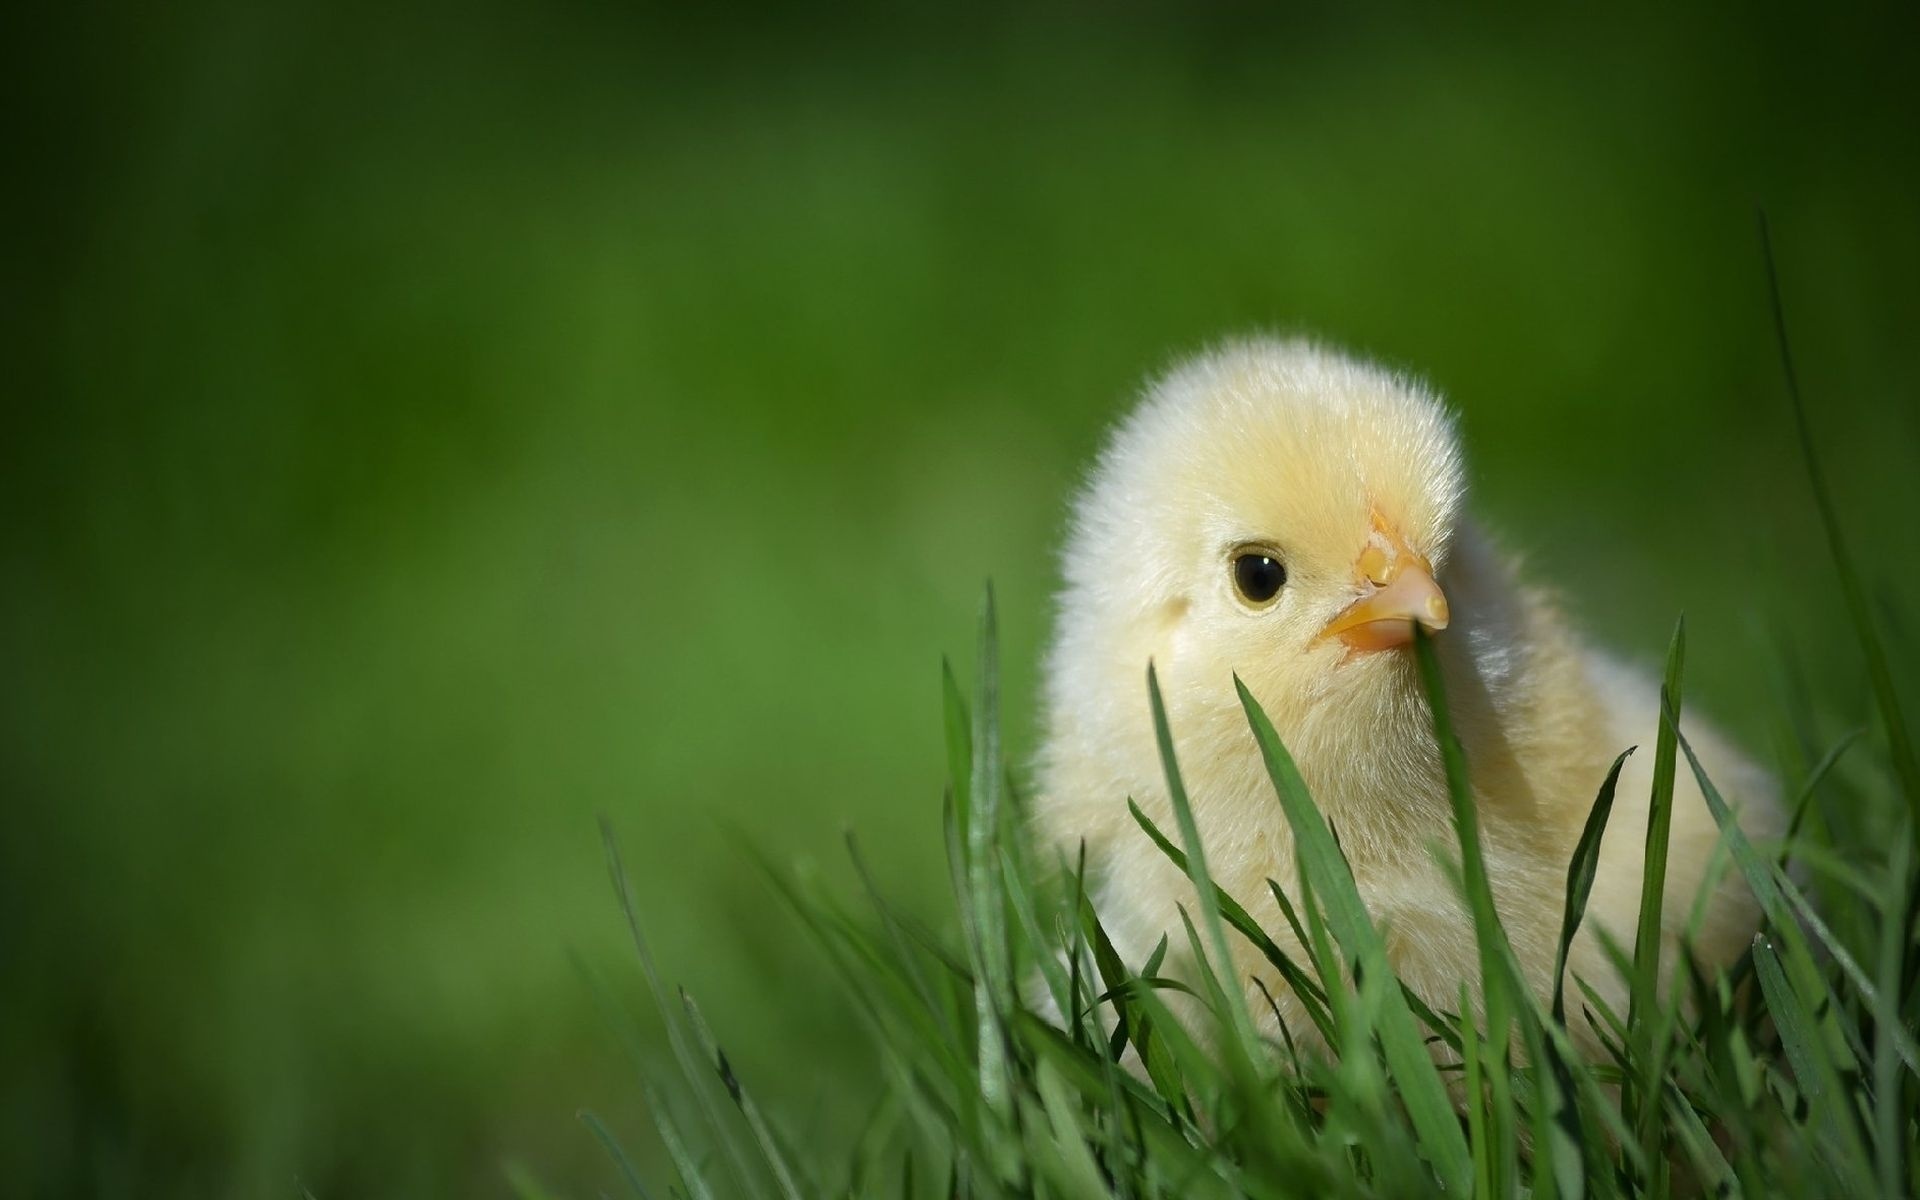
<point x="428" y="427"/>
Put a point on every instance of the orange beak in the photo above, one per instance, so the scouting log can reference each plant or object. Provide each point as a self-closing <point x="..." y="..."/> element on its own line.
<point x="1397" y="590"/>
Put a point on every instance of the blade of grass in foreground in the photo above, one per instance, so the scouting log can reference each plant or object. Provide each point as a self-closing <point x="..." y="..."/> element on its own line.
<point x="1312" y="996"/>
<point x="676" y="1036"/>
<point x="1645" y="1099"/>
<point x="1078" y="1173"/>
<point x="993" y="970"/>
<point x="1130" y="1026"/>
<point x="1497" y="967"/>
<point x="1647" y="936"/>
<point x="1580" y="873"/>
<point x="1810" y="786"/>
<point x="1421" y="1088"/>
<point x="1890" y="1117"/>
<point x="614" y="1152"/>
<point x="1165" y="1139"/>
<point x="1558" y="1122"/>
<point x="691" y="1177"/>
<point x="1780" y="898"/>
<point x="1235" y="1015"/>
<point x="763" y="1134"/>
<point x="1243" y="1053"/>
<point x="1505" y="996"/>
<point x="959" y="735"/>
<point x="1899" y="745"/>
<point x="890" y="921"/>
<point x="1826" y="1097"/>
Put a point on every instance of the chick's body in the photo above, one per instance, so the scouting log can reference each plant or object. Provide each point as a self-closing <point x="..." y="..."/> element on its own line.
<point x="1347" y="481"/>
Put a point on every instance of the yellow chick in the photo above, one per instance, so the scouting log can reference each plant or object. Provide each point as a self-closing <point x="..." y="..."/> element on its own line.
<point x="1285" y="512"/>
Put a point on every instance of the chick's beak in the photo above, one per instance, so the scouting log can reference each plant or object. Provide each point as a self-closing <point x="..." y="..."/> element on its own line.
<point x="1397" y="590"/>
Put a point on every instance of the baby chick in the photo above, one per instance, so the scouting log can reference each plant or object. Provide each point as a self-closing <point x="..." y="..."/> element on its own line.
<point x="1281" y="511"/>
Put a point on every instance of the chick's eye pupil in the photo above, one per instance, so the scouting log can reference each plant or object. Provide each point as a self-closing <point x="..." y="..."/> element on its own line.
<point x="1258" y="576"/>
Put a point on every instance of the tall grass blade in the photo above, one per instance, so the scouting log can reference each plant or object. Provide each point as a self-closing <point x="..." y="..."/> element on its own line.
<point x="1899" y="742"/>
<point x="1645" y="1097"/>
<point x="1497" y="969"/>
<point x="763" y="1134"/>
<point x="1233" y="1007"/>
<point x="1810" y="786"/>
<point x="1647" y="942"/>
<point x="1504" y="993"/>
<point x="1311" y="994"/>
<point x="891" y="922"/>
<point x="1781" y="899"/>
<point x="1580" y="873"/>
<point x="1421" y="1088"/>
<point x="958" y="726"/>
<point x="676" y="1037"/>
<point x="1079" y="1174"/>
<point x="1826" y="1098"/>
<point x="993" y="983"/>
<point x="1132" y="1026"/>
<point x="614" y="1152"/>
<point x="691" y="1177"/>
<point x="1892" y="1146"/>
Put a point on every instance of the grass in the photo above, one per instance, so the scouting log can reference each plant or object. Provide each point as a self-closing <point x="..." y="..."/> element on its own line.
<point x="1795" y="1072"/>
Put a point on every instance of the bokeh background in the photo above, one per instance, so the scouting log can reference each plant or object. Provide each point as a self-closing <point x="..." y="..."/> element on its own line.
<point x="427" y="427"/>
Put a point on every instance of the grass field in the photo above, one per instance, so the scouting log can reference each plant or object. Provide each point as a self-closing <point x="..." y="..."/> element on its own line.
<point x="431" y="429"/>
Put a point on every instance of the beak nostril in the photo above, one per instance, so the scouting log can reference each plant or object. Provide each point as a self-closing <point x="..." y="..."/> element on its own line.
<point x="1375" y="564"/>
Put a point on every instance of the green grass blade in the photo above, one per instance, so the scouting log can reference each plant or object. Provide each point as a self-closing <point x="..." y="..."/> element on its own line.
<point x="1131" y="1025"/>
<point x="1781" y="899"/>
<point x="1898" y="1039"/>
<point x="1476" y="1102"/>
<point x="959" y="738"/>
<point x="1508" y="998"/>
<point x="1645" y="1097"/>
<point x="1421" y="1088"/>
<point x="1891" y="1115"/>
<point x="1497" y="968"/>
<point x="1811" y="786"/>
<point x="1647" y="942"/>
<point x="614" y="1152"/>
<point x="763" y="1134"/>
<point x="1236" y="915"/>
<point x="1233" y="1006"/>
<point x="1827" y="1101"/>
<point x="1709" y="1164"/>
<point x="993" y="983"/>
<point x="1505" y="994"/>
<point x="520" y="1180"/>
<point x="1165" y="1141"/>
<point x="1899" y="742"/>
<point x="1079" y="953"/>
<point x="1580" y="873"/>
<point x="691" y="1177"/>
<point x="697" y="1081"/>
<point x="955" y="836"/>
<point x="1560" y="1128"/>
<point x="1459" y="783"/>
<point x="1080" y="1173"/>
<point x="890" y="920"/>
<point x="1028" y="918"/>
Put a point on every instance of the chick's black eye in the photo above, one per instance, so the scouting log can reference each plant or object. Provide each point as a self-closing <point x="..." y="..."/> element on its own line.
<point x="1258" y="577"/>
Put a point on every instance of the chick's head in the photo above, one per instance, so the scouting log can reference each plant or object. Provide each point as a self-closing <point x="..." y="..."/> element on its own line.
<point x="1273" y="509"/>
